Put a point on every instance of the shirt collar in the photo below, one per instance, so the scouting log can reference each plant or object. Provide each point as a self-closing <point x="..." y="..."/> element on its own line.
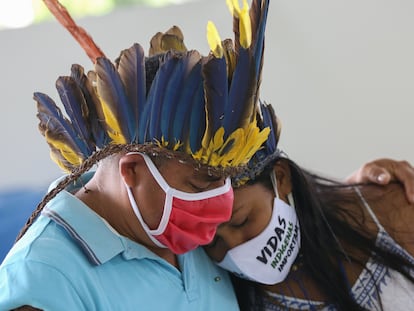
<point x="98" y="240"/>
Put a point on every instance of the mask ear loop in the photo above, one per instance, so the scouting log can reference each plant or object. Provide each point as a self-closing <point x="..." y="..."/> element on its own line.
<point x="274" y="183"/>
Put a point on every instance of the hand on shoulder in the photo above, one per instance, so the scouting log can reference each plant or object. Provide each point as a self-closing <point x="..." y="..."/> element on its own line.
<point x="383" y="171"/>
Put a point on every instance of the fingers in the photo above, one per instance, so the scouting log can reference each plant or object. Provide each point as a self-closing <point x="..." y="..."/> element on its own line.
<point x="375" y="174"/>
<point x="382" y="171"/>
<point x="404" y="173"/>
<point x="370" y="172"/>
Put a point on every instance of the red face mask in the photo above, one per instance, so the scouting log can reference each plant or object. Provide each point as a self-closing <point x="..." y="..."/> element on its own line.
<point x="189" y="219"/>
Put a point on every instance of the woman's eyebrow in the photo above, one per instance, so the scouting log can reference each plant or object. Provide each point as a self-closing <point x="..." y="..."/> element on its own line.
<point x="207" y="177"/>
<point x="236" y="209"/>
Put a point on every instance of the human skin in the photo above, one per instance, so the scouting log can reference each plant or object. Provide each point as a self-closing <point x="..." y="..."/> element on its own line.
<point x="108" y="197"/>
<point x="253" y="206"/>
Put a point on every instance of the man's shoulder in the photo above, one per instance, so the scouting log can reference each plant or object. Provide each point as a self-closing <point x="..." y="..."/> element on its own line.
<point x="44" y="242"/>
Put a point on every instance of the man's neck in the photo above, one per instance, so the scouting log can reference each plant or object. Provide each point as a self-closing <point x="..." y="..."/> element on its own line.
<point x="167" y="255"/>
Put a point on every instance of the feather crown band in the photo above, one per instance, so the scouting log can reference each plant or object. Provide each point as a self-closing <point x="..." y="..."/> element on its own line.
<point x="269" y="152"/>
<point x="204" y="107"/>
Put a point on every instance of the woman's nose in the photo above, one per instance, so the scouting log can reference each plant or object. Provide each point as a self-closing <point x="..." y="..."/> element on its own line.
<point x="229" y="237"/>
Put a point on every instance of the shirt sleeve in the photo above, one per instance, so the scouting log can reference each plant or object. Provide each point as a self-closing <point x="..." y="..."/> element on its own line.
<point x="38" y="285"/>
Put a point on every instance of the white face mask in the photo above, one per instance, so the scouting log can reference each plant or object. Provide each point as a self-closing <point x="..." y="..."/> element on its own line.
<point x="268" y="257"/>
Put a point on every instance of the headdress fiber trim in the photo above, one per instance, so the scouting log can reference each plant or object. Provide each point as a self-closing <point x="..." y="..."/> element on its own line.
<point x="265" y="157"/>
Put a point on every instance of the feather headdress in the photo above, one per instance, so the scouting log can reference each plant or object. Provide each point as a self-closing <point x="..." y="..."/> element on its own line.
<point x="175" y="100"/>
<point x="269" y="151"/>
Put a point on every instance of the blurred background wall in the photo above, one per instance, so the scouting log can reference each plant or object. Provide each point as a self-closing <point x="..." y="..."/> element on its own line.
<point x="339" y="73"/>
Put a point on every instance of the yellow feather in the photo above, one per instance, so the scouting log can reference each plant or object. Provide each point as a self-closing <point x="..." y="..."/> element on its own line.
<point x="256" y="140"/>
<point x="198" y="155"/>
<point x="233" y="7"/>
<point x="161" y="143"/>
<point x="242" y="181"/>
<point x="214" y="41"/>
<point x="245" y="142"/>
<point x="245" y="26"/>
<point x="115" y="130"/>
<point x="66" y="151"/>
<point x="218" y="139"/>
<point x="235" y="139"/>
<point x="58" y="162"/>
<point x="253" y="139"/>
<point x="240" y="147"/>
<point x="214" y="160"/>
<point x="211" y="155"/>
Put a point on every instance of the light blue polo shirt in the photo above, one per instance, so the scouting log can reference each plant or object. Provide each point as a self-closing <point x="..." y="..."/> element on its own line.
<point x="70" y="259"/>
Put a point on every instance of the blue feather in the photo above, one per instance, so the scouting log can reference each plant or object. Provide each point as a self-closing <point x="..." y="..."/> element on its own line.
<point x="188" y="103"/>
<point x="259" y="18"/>
<point x="76" y="109"/>
<point x="174" y="85"/>
<point x="131" y="69"/>
<point x="54" y="123"/>
<point x="269" y="121"/>
<point x="197" y="124"/>
<point x="242" y="93"/>
<point x="246" y="78"/>
<point x="216" y="92"/>
<point x="111" y="91"/>
<point x="95" y="116"/>
<point x="158" y="92"/>
<point x="143" y="125"/>
<point x="150" y="112"/>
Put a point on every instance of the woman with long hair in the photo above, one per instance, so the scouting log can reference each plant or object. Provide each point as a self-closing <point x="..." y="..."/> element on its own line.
<point x="299" y="241"/>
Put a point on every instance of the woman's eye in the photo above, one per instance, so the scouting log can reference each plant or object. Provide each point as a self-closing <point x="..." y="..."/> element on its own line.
<point x="197" y="188"/>
<point x="239" y="224"/>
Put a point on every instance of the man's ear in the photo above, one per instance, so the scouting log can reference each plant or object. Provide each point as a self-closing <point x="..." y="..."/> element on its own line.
<point x="283" y="177"/>
<point x="130" y="168"/>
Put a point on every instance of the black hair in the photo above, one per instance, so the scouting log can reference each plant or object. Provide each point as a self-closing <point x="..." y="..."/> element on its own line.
<point x="152" y="65"/>
<point x="326" y="226"/>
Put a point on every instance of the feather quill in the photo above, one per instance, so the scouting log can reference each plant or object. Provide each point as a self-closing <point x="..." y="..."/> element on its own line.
<point x="230" y="55"/>
<point x="80" y="35"/>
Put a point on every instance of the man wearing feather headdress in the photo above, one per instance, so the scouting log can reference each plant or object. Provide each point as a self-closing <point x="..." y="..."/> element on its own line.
<point x="166" y="132"/>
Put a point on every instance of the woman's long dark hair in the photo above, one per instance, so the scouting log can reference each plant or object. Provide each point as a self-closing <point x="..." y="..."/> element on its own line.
<point x="320" y="206"/>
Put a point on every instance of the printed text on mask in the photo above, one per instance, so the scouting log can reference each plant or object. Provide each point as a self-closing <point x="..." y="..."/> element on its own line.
<point x="282" y="253"/>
